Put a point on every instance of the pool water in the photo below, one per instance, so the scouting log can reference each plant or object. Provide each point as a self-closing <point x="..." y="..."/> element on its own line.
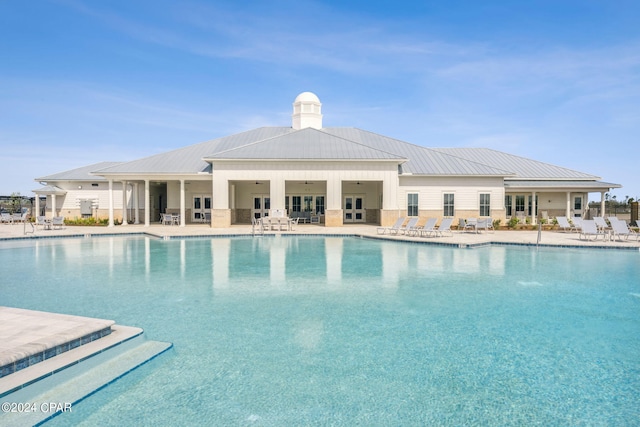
<point x="275" y="331"/>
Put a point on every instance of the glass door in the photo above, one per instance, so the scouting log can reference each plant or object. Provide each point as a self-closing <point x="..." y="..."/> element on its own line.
<point x="261" y="206"/>
<point x="354" y="210"/>
<point x="201" y="208"/>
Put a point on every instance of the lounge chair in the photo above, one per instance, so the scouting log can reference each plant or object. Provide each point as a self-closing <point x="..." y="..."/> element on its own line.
<point x="445" y="227"/>
<point x="620" y="230"/>
<point x="396" y="226"/>
<point x="564" y="224"/>
<point x="429" y="226"/>
<point x="6" y="218"/>
<point x="411" y="224"/>
<point x="57" y="222"/>
<point x="485" y="224"/>
<point x="414" y="230"/>
<point x="589" y="230"/>
<point x="601" y="223"/>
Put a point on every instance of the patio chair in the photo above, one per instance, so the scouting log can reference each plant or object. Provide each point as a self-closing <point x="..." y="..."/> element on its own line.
<point x="429" y="226"/>
<point x="20" y="217"/>
<point x="57" y="222"/>
<point x="467" y="224"/>
<point x="292" y="223"/>
<point x="589" y="230"/>
<point x="564" y="224"/>
<point x="414" y="230"/>
<point x="6" y="218"/>
<point x="166" y="219"/>
<point x="485" y="224"/>
<point x="601" y="223"/>
<point x="620" y="229"/>
<point x="396" y="226"/>
<point x="445" y="227"/>
<point x="411" y="224"/>
<point x="41" y="221"/>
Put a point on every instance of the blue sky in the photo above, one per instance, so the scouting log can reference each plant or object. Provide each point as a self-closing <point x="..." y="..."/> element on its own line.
<point x="88" y="81"/>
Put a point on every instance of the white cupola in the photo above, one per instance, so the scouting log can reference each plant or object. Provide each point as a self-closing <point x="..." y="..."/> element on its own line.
<point x="307" y="112"/>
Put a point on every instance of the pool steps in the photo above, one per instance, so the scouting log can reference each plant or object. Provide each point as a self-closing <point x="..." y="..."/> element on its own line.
<point x="76" y="374"/>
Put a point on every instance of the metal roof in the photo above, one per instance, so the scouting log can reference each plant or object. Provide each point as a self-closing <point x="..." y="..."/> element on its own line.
<point x="582" y="184"/>
<point x="306" y="144"/>
<point x="79" y="174"/>
<point x="50" y="189"/>
<point x="421" y="160"/>
<point x="522" y="167"/>
<point x="190" y="159"/>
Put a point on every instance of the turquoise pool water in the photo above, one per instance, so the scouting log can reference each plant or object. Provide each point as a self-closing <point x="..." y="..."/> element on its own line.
<point x="346" y="331"/>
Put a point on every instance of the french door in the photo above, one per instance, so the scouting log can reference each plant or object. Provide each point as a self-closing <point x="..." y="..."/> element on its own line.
<point x="354" y="209"/>
<point x="201" y="208"/>
<point x="261" y="206"/>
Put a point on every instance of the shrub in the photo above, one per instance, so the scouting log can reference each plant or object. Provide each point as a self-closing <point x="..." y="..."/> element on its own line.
<point x="512" y="222"/>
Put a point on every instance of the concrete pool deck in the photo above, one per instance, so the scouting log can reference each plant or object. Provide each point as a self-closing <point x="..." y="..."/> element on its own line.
<point x="523" y="237"/>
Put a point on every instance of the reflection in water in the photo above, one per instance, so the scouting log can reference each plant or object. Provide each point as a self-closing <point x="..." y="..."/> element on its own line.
<point x="220" y="249"/>
<point x="333" y="255"/>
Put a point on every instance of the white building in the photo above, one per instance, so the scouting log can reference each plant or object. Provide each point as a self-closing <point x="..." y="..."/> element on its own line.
<point x="333" y="175"/>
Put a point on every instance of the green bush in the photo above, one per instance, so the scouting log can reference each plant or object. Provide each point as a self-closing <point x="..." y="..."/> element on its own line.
<point x="512" y="222"/>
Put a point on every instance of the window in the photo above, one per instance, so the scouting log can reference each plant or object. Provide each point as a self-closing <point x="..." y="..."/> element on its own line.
<point x="520" y="204"/>
<point x="308" y="203"/>
<point x="412" y="204"/>
<point x="577" y="206"/>
<point x="448" y="204"/>
<point x="485" y="204"/>
<point x="508" y="200"/>
<point x="320" y="205"/>
<point x="296" y="201"/>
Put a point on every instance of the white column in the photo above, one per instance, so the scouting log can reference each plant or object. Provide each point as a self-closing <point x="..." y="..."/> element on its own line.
<point x="53" y="205"/>
<point x="534" y="217"/>
<point x="136" y="203"/>
<point x="124" y="203"/>
<point x="110" y="203"/>
<point x="37" y="212"/>
<point x="182" y="209"/>
<point x="334" y="193"/>
<point x="602" y="204"/>
<point x="276" y="193"/>
<point x="568" y="210"/>
<point x="147" y="203"/>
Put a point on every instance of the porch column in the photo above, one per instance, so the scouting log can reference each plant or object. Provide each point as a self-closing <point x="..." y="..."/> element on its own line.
<point x="182" y="209"/>
<point x="136" y="203"/>
<point x="53" y="206"/>
<point x="568" y="211"/>
<point x="110" y="203"/>
<point x="603" y="205"/>
<point x="37" y="212"/>
<point x="147" y="203"/>
<point x="220" y="212"/>
<point x="390" y="211"/>
<point x="333" y="210"/>
<point x="124" y="203"/>
<point x="534" y="217"/>
<point x="276" y="193"/>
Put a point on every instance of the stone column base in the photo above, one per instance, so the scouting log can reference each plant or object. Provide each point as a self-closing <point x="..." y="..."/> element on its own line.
<point x="333" y="218"/>
<point x="388" y="217"/>
<point x="220" y="218"/>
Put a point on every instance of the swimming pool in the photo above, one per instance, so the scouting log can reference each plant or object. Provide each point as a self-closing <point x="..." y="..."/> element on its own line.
<point x="277" y="331"/>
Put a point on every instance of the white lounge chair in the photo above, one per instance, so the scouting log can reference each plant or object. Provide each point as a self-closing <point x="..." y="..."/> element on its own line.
<point x="620" y="230"/>
<point x="397" y="225"/>
<point x="6" y="218"/>
<point x="589" y="230"/>
<point x="411" y="224"/>
<point x="445" y="227"/>
<point x="564" y="224"/>
<point x="601" y="223"/>
<point x="415" y="229"/>
<point x="429" y="226"/>
<point x="485" y="224"/>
